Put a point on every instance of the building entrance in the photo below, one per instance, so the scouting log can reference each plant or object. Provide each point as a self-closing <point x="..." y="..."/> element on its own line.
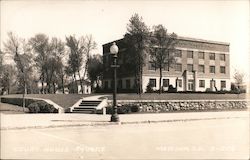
<point x="190" y="85"/>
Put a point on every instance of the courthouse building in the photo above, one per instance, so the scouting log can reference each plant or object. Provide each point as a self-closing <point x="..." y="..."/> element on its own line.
<point x="200" y="65"/>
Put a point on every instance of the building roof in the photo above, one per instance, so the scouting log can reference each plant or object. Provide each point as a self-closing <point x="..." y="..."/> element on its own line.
<point x="186" y="39"/>
<point x="202" y="40"/>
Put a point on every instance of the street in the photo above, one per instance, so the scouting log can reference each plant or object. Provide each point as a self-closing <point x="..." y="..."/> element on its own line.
<point x="199" y="139"/>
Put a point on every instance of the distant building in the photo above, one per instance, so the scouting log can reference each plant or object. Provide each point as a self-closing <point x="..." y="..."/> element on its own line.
<point x="201" y="65"/>
<point x="75" y="87"/>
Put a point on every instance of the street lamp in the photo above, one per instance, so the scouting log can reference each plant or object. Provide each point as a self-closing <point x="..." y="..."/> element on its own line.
<point x="113" y="51"/>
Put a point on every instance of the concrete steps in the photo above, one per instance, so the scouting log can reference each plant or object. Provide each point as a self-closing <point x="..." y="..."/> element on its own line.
<point x="87" y="106"/>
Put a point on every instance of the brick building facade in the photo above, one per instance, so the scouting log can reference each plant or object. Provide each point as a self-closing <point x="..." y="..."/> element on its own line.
<point x="200" y="65"/>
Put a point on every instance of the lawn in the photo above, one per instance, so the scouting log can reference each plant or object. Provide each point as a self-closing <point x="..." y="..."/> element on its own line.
<point x="12" y="109"/>
<point x="178" y="96"/>
<point x="64" y="100"/>
<point x="68" y="100"/>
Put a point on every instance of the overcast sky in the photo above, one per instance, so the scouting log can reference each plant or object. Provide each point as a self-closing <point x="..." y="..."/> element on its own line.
<point x="218" y="20"/>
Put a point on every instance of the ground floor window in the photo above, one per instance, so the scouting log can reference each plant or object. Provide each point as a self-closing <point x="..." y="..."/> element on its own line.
<point x="165" y="82"/>
<point x="106" y="84"/>
<point x="127" y="83"/>
<point x="223" y="84"/>
<point x="120" y="83"/>
<point x="202" y="83"/>
<point x="152" y="82"/>
<point x="179" y="83"/>
<point x="212" y="83"/>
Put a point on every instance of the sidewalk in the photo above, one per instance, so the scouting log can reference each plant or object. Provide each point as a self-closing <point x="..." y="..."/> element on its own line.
<point x="24" y="121"/>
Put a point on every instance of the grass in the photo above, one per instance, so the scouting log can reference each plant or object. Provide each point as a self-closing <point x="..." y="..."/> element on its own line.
<point x="68" y="100"/>
<point x="63" y="100"/>
<point x="178" y="96"/>
<point x="12" y="109"/>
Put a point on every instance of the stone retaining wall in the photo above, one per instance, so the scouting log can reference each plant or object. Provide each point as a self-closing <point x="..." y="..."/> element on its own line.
<point x="184" y="105"/>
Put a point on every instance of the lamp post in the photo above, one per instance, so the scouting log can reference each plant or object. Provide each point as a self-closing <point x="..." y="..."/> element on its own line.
<point x="113" y="51"/>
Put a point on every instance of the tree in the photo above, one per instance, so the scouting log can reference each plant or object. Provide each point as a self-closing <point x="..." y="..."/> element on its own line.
<point x="8" y="73"/>
<point x="90" y="45"/>
<point x="238" y="78"/>
<point x="56" y="64"/>
<point x="95" y="69"/>
<point x="18" y="48"/>
<point x="137" y="39"/>
<point x="162" y="50"/>
<point x="1" y="71"/>
<point x="75" y="62"/>
<point x="41" y="49"/>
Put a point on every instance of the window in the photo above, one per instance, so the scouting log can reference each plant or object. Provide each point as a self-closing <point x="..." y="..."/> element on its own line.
<point x="106" y="84"/>
<point x="165" y="82"/>
<point x="212" y="56"/>
<point x="201" y="55"/>
<point x="152" y="82"/>
<point x="179" y="83"/>
<point x="127" y="83"/>
<point x="178" y="67"/>
<point x="222" y="57"/>
<point x="190" y="54"/>
<point x="212" y="83"/>
<point x="212" y="69"/>
<point x="151" y="66"/>
<point x="120" y="83"/>
<point x="190" y="85"/>
<point x="202" y="83"/>
<point x="222" y="69"/>
<point x="190" y="67"/>
<point x="166" y="67"/>
<point x="222" y="84"/>
<point x="178" y="53"/>
<point x="201" y="69"/>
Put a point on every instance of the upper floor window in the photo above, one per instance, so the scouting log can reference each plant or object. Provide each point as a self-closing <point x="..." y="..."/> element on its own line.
<point x="165" y="82"/>
<point x="190" y="67"/>
<point x="151" y="66"/>
<point x="222" y="57"/>
<point x="222" y="69"/>
<point x="212" y="56"/>
<point x="166" y="67"/>
<point x="190" y="54"/>
<point x="178" y="53"/>
<point x="178" y="67"/>
<point x="201" y="69"/>
<point x="212" y="69"/>
<point x="201" y="55"/>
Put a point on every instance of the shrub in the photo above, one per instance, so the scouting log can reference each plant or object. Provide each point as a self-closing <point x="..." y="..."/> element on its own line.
<point x="41" y="107"/>
<point x="171" y="89"/>
<point x="149" y="88"/>
<point x="124" y="109"/>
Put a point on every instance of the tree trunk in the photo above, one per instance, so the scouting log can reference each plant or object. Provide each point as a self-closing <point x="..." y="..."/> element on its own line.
<point x="75" y="84"/>
<point x="63" y="84"/>
<point x="81" y="83"/>
<point x="160" y="86"/>
<point x="24" y="91"/>
<point x="54" y="87"/>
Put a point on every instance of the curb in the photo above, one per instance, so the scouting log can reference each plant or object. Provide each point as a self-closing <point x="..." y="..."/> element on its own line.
<point x="113" y="123"/>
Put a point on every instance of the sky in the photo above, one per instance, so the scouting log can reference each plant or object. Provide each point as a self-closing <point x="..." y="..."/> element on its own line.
<point x="218" y="20"/>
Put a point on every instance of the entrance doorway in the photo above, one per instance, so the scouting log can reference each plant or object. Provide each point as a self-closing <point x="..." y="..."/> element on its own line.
<point x="190" y="85"/>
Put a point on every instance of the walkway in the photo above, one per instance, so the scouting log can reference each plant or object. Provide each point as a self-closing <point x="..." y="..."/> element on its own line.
<point x="22" y="121"/>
